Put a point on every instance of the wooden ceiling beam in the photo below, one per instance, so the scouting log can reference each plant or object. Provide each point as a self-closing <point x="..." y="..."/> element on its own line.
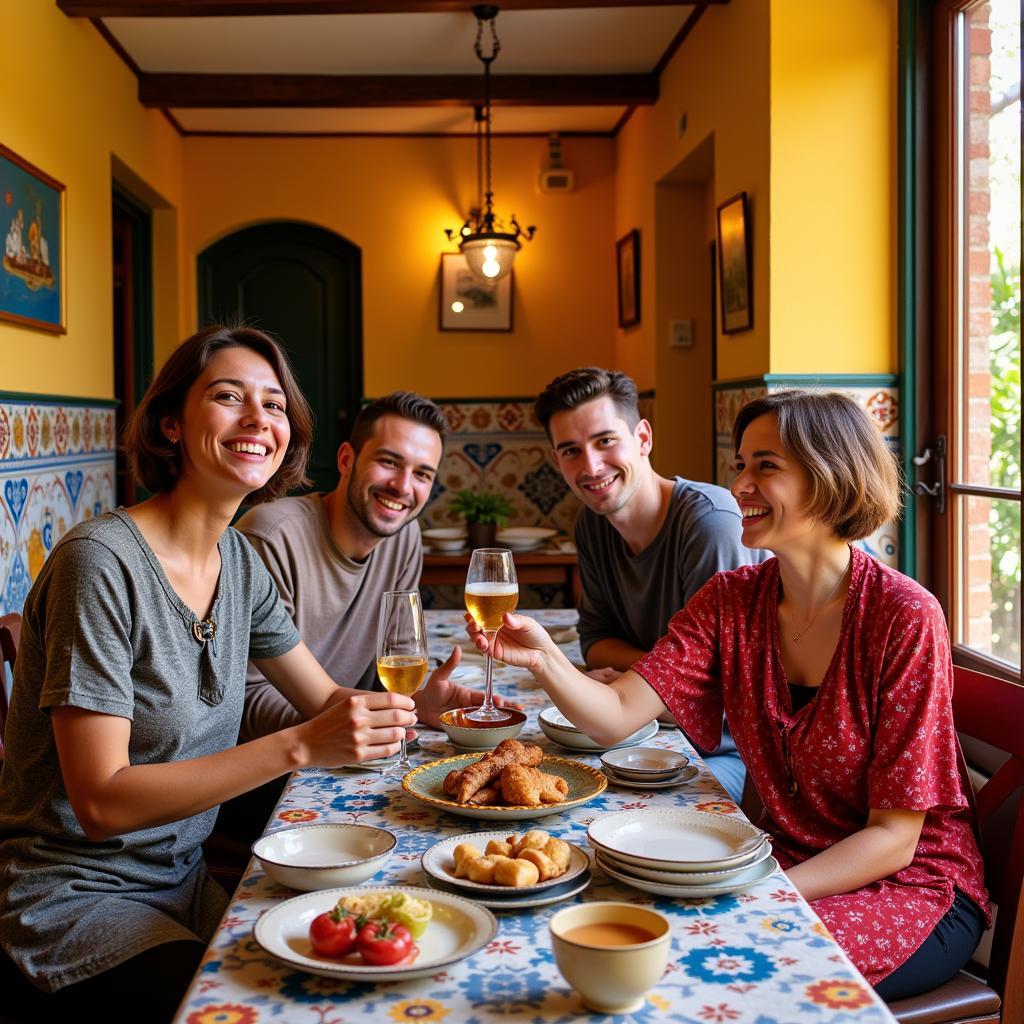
<point x="221" y="8"/>
<point x="205" y="91"/>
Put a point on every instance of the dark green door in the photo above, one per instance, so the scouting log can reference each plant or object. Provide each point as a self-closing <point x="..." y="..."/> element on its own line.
<point x="303" y="285"/>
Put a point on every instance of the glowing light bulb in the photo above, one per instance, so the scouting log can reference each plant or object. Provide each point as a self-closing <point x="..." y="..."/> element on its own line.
<point x="490" y="268"/>
<point x="490" y="252"/>
<point x="457" y="307"/>
<point x="466" y="230"/>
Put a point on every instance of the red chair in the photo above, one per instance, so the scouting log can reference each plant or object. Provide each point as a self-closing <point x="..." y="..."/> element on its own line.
<point x="10" y="633"/>
<point x="990" y="710"/>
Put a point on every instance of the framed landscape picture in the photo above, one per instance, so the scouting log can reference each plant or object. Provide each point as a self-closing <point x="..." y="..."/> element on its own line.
<point x="32" y="229"/>
<point x="627" y="255"/>
<point x="469" y="303"/>
<point x="734" y="283"/>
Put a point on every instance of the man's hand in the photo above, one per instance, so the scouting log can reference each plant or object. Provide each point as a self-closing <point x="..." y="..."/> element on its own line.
<point x="441" y="694"/>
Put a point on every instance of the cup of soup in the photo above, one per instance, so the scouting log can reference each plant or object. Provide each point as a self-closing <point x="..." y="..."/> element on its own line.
<point x="611" y="953"/>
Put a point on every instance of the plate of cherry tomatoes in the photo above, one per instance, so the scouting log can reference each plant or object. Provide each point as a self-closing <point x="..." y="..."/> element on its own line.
<point x="314" y="932"/>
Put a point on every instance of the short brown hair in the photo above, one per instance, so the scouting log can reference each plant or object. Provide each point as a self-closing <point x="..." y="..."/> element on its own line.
<point x="156" y="462"/>
<point x="577" y="387"/>
<point x="855" y="479"/>
<point x="406" y="404"/>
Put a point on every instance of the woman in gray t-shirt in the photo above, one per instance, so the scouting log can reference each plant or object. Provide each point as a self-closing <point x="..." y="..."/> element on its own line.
<point x="128" y="695"/>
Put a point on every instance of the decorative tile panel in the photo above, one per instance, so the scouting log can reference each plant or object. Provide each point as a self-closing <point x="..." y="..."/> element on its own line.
<point x="877" y="394"/>
<point x="57" y="468"/>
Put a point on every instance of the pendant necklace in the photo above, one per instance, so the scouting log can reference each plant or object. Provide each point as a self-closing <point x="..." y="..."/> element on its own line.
<point x="798" y="633"/>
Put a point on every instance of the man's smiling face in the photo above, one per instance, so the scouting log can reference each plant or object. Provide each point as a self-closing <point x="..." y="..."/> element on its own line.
<point x="602" y="458"/>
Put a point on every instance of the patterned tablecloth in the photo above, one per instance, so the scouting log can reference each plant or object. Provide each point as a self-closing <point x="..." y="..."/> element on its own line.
<point x="758" y="957"/>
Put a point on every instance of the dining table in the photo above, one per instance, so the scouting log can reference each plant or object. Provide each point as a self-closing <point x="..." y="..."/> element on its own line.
<point x="757" y="956"/>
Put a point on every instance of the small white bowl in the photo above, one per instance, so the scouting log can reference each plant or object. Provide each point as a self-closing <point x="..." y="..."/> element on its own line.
<point x="523" y="538"/>
<point x="481" y="735"/>
<point x="645" y="764"/>
<point x="446" y="538"/>
<point x="324" y="856"/>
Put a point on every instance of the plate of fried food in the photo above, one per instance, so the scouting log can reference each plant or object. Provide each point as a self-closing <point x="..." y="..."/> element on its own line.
<point x="514" y="782"/>
<point x="496" y="862"/>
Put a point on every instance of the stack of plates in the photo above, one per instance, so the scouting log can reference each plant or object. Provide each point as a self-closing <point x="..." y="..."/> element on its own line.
<point x="439" y="870"/>
<point x="681" y="853"/>
<point x="647" y="767"/>
<point x="524" y="538"/>
<point x="559" y="729"/>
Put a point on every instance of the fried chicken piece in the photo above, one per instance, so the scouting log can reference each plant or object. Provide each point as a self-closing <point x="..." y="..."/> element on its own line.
<point x="486" y="796"/>
<point x="451" y="782"/>
<point x="489" y="767"/>
<point x="524" y="786"/>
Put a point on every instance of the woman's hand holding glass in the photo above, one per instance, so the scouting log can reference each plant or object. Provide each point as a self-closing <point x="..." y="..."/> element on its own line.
<point x="522" y="641"/>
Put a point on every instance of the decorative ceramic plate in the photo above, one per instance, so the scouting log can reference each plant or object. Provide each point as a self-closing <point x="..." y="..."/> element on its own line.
<point x="560" y="730"/>
<point x="426" y="783"/>
<point x="686" y="877"/>
<point x="439" y="864"/>
<point x="457" y="930"/>
<point x="691" y="892"/>
<point x="688" y="774"/>
<point x="645" y="764"/>
<point x="676" y="839"/>
<point x="540" y="899"/>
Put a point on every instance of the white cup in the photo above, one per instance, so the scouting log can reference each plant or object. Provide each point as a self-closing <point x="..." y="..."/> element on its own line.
<point x="611" y="978"/>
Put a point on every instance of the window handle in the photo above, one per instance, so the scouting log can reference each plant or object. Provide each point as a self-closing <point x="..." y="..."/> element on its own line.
<point x="937" y="454"/>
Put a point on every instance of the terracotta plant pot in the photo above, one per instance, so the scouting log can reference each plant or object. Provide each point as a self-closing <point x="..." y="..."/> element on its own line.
<point x="482" y="535"/>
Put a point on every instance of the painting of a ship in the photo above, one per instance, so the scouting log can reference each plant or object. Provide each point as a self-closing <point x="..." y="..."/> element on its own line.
<point x="31" y="235"/>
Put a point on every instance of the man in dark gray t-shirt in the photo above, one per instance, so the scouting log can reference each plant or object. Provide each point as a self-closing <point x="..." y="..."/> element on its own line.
<point x="646" y="543"/>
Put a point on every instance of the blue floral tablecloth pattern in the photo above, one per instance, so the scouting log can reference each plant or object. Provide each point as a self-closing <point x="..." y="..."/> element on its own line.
<point x="757" y="957"/>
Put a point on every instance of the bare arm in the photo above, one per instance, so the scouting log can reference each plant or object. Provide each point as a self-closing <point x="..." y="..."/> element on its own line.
<point x="884" y="846"/>
<point x="607" y="713"/>
<point x="111" y="796"/>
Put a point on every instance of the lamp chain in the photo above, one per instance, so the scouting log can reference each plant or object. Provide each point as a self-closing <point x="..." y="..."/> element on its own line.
<point x="488" y="218"/>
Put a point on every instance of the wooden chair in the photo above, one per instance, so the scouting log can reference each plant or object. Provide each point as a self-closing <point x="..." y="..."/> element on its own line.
<point x="992" y="711"/>
<point x="10" y="634"/>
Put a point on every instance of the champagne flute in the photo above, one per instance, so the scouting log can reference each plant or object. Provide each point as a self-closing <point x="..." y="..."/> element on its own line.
<point x="491" y="590"/>
<point x="401" y="651"/>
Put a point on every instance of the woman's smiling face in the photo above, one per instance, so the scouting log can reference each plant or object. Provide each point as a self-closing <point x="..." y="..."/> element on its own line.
<point x="772" y="489"/>
<point x="234" y="429"/>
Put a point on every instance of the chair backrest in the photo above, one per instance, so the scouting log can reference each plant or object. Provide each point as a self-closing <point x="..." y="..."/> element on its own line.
<point x="992" y="710"/>
<point x="10" y="634"/>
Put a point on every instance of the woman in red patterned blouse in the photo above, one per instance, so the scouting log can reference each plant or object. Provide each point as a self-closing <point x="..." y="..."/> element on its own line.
<point x="834" y="672"/>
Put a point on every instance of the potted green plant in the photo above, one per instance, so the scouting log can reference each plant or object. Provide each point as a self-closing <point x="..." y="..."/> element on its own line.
<point x="484" y="512"/>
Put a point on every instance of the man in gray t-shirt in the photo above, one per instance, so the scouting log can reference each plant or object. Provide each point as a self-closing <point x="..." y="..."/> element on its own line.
<point x="646" y="543"/>
<point x="333" y="555"/>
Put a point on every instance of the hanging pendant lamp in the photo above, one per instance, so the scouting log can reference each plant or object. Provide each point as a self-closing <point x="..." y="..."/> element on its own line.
<point x="489" y="246"/>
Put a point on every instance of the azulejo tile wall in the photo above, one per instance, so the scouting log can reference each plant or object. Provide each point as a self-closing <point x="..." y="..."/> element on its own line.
<point x="877" y="393"/>
<point x="56" y="470"/>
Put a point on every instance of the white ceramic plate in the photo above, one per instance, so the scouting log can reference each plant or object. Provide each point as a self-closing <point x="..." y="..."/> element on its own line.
<point x="458" y="929"/>
<point x="541" y="899"/>
<point x="426" y="783"/>
<point x="686" y="877"/>
<point x="688" y="774"/>
<point x="676" y="839"/>
<point x="519" y="537"/>
<point x="560" y="730"/>
<point x="744" y="880"/>
<point x="438" y="863"/>
<point x="645" y="764"/>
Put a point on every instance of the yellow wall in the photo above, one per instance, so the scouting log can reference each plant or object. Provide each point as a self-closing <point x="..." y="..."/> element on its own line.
<point x="718" y="80"/>
<point x="70" y="107"/>
<point x="393" y="198"/>
<point x="833" y="186"/>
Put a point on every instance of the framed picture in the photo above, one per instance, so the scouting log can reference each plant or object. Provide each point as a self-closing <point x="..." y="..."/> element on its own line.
<point x="627" y="257"/>
<point x="32" y="228"/>
<point x="734" y="281"/>
<point x="469" y="303"/>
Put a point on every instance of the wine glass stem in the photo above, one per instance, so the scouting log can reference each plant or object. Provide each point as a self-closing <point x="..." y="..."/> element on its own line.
<point x="403" y="757"/>
<point x="488" y="704"/>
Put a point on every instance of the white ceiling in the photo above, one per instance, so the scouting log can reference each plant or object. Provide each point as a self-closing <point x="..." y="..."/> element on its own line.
<point x="598" y="40"/>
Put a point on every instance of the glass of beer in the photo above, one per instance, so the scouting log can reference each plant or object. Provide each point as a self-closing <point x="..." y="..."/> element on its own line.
<point x="401" y="651"/>
<point x="491" y="590"/>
